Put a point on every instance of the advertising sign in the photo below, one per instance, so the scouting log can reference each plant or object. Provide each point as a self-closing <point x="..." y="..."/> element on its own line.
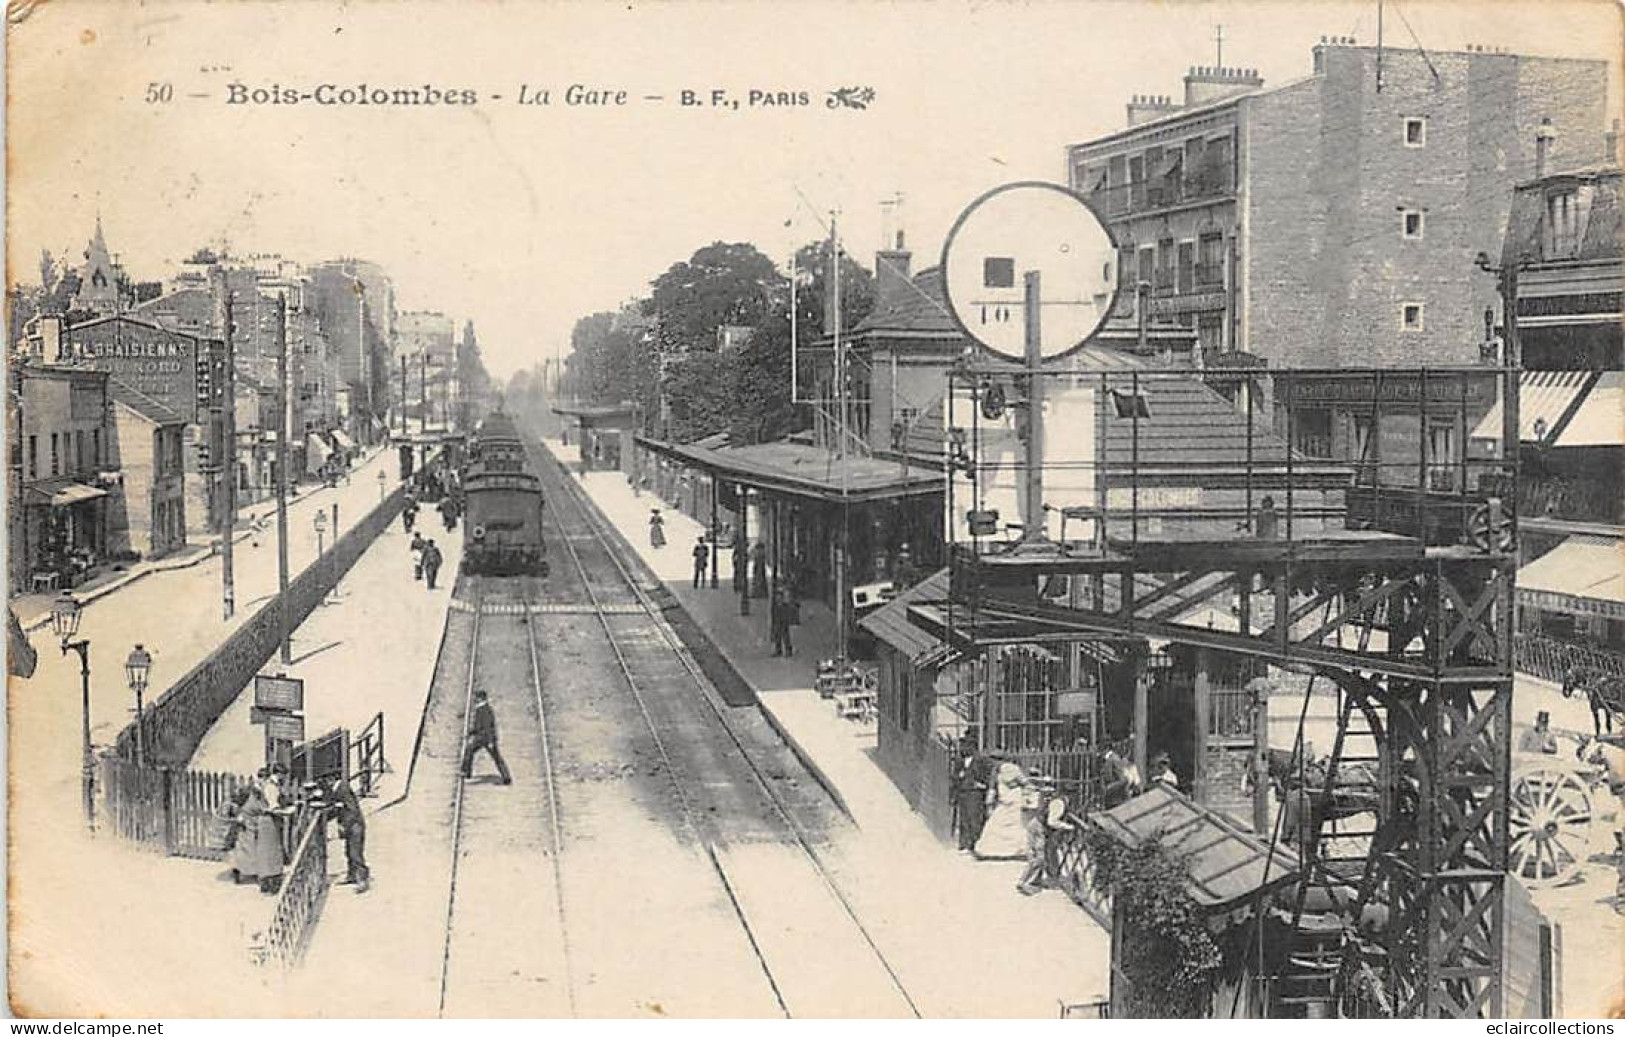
<point x="153" y="361"/>
<point x="285" y="693"/>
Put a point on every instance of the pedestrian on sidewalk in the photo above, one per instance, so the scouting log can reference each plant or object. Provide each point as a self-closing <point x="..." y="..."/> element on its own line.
<point x="418" y="544"/>
<point x="482" y="734"/>
<point x="758" y="570"/>
<point x="1035" y="802"/>
<point x="741" y="564"/>
<point x="780" y="615"/>
<point x="256" y="529"/>
<point x="352" y="825"/>
<point x="702" y="562"/>
<point x="657" y="529"/>
<point x="1539" y="739"/>
<point x="409" y="514"/>
<point x="431" y="562"/>
<point x="1055" y="828"/>
<point x="970" y="793"/>
<point x="259" y="844"/>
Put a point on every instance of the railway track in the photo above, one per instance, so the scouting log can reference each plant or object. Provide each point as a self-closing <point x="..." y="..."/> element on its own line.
<point x="506" y="947"/>
<point x="813" y="950"/>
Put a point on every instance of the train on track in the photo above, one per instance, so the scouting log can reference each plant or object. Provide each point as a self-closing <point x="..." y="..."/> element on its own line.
<point x="504" y="500"/>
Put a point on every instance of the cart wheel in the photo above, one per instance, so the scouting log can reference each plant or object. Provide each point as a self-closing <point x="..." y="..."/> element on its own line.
<point x="1550" y="820"/>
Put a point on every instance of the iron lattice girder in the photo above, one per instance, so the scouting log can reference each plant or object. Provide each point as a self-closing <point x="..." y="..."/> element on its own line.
<point x="1442" y="674"/>
<point x="1445" y="615"/>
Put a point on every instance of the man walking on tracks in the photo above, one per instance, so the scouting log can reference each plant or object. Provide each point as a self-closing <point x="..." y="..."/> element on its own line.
<point x="352" y="824"/>
<point x="482" y="734"/>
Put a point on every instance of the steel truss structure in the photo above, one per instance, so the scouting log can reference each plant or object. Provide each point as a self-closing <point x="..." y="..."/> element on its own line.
<point x="1417" y="635"/>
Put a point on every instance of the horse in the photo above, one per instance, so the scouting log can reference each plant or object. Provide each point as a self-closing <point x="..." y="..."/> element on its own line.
<point x="1605" y="693"/>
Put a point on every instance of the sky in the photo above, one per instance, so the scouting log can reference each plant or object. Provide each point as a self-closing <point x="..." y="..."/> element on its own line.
<point x="523" y="218"/>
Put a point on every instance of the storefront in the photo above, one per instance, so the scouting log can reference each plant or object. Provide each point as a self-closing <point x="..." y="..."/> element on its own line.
<point x="1571" y="608"/>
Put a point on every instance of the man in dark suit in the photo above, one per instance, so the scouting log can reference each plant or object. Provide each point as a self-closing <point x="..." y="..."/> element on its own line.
<point x="352" y="824"/>
<point x="482" y="734"/>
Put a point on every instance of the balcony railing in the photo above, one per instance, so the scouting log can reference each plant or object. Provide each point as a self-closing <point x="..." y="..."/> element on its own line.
<point x="1150" y="195"/>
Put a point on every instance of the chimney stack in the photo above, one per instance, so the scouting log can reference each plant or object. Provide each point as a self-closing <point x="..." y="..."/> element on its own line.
<point x="51" y="341"/>
<point x="891" y="273"/>
<point x="1206" y="84"/>
<point x="1543" y="146"/>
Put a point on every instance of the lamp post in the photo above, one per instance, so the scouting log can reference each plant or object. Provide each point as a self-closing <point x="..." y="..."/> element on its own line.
<point x="136" y="668"/>
<point x="320" y="522"/>
<point x="65" y="613"/>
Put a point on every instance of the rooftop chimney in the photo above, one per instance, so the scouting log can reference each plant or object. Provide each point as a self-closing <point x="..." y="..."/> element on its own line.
<point x="1207" y="84"/>
<point x="1145" y="107"/>
<point x="891" y="273"/>
<point x="1543" y="146"/>
<point x="51" y="343"/>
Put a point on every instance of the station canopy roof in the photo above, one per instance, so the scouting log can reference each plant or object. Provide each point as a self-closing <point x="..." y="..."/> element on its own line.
<point x="1226" y="864"/>
<point x="803" y="470"/>
<point x="890" y="623"/>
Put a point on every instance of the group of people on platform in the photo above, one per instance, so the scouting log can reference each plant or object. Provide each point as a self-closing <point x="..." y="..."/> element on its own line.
<point x="1003" y="812"/>
<point x="255" y="825"/>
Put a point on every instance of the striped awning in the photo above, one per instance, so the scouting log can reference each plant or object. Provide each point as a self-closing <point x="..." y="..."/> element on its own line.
<point x="1545" y="400"/>
<point x="1583" y="575"/>
<point x="1600" y="418"/>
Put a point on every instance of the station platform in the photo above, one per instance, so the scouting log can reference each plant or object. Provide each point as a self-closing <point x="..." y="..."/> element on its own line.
<point x="939" y="916"/>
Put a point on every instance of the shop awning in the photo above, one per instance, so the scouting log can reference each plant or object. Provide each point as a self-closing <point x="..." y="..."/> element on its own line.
<point x="1600" y="418"/>
<point x="1545" y="399"/>
<point x="62" y="493"/>
<point x="1582" y="576"/>
<point x="316" y="452"/>
<point x="1225" y="863"/>
<point x="343" y="440"/>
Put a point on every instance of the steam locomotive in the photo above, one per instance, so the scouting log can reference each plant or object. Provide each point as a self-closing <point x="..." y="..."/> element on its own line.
<point x="504" y="501"/>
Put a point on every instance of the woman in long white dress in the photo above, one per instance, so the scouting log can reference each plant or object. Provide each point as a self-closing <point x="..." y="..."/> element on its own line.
<point x="1004" y="835"/>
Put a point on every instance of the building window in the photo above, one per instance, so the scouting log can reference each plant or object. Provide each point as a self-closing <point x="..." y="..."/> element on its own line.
<point x="1312" y="432"/>
<point x="79" y="450"/>
<point x="1210" y="260"/>
<point x="56" y="456"/>
<point x="1362" y="450"/>
<point x="1416" y="132"/>
<point x="1411" y="224"/>
<point x="1148" y="265"/>
<point x="1410" y="316"/>
<point x="1442" y="457"/>
<point x="33" y="457"/>
<point x="1562" y="224"/>
<point x="1130" y="404"/>
<point x="96" y="447"/>
<point x="1187" y="267"/>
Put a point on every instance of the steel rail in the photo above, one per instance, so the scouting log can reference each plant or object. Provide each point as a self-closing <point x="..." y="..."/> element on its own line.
<point x="478" y="597"/>
<point x="577" y="497"/>
<point x="552" y="804"/>
<point x="689" y="816"/>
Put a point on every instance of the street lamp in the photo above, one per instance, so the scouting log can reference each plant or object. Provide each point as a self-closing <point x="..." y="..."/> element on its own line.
<point x="320" y="522"/>
<point x="65" y="613"/>
<point x="136" y="668"/>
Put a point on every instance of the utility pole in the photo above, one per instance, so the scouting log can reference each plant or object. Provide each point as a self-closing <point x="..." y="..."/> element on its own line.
<point x="228" y="576"/>
<point x="840" y="438"/>
<point x="403" y="394"/>
<point x="423" y="388"/>
<point x="282" y="423"/>
<point x="1034" y="519"/>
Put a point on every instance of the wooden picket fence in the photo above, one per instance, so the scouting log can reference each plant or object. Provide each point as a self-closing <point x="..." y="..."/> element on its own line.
<point x="167" y="809"/>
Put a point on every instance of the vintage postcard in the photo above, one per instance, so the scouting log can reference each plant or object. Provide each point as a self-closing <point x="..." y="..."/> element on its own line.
<point x="796" y="510"/>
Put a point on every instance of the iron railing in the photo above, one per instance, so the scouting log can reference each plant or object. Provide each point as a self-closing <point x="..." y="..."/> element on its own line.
<point x="299" y="903"/>
<point x="1553" y="660"/>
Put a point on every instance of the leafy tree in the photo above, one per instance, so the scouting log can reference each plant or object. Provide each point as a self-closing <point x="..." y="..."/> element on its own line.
<point x="721" y="284"/>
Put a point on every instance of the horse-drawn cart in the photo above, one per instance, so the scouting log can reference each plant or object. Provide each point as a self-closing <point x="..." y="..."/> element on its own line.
<point x="1560" y="811"/>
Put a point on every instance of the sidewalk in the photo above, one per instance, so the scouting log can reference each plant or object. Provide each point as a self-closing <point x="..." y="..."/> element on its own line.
<point x="938" y="916"/>
<point x="34" y="610"/>
<point x="100" y="911"/>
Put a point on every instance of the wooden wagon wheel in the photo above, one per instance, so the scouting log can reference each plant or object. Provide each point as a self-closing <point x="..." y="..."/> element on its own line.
<point x="1550" y="820"/>
<point x="1489" y="531"/>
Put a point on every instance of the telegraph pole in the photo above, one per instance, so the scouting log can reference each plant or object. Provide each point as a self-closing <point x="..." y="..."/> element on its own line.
<point x="228" y="576"/>
<point x="403" y="394"/>
<point x="282" y="424"/>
